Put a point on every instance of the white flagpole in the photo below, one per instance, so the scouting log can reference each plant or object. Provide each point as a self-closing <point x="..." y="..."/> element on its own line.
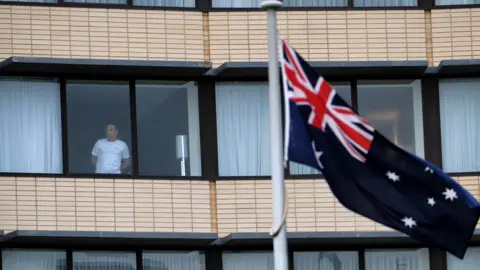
<point x="280" y="252"/>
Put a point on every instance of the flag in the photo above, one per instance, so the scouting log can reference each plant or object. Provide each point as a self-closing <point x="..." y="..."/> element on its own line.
<point x="367" y="173"/>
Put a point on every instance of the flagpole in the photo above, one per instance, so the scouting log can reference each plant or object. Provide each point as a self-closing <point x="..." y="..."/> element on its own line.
<point x="280" y="252"/>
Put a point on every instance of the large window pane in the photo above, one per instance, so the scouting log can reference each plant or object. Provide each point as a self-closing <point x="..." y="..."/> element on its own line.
<point x="99" y="133"/>
<point x="343" y="89"/>
<point x="286" y="3"/>
<point x="158" y="260"/>
<point x="456" y="2"/>
<point x="243" y="128"/>
<point x="459" y="114"/>
<point x="471" y="261"/>
<point x="344" y="260"/>
<point x="20" y="259"/>
<point x="384" y="3"/>
<point x="247" y="261"/>
<point x="168" y="128"/>
<point x="30" y="126"/>
<point x="98" y="260"/>
<point x="164" y="3"/>
<point x="397" y="259"/>
<point x="394" y="108"/>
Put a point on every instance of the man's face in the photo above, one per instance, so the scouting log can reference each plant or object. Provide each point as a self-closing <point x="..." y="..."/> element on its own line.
<point x="111" y="132"/>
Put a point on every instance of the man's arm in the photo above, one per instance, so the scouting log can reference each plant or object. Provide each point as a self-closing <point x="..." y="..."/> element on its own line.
<point x="127" y="161"/>
<point x="95" y="154"/>
<point x="94" y="160"/>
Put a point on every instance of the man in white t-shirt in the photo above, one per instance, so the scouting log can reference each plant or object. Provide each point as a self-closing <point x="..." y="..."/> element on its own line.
<point x="110" y="155"/>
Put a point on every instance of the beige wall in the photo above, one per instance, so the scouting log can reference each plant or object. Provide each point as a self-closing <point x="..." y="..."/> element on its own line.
<point x="100" y="33"/>
<point x="104" y="204"/>
<point x="238" y="36"/>
<point x="174" y="205"/>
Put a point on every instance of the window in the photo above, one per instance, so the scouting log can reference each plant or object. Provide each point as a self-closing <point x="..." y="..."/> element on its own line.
<point x="168" y="128"/>
<point x="286" y="3"/>
<point x="385" y="3"/>
<point x="93" y="260"/>
<point x="345" y="260"/>
<point x="397" y="259"/>
<point x="459" y="99"/>
<point x="164" y="3"/>
<point x="243" y="128"/>
<point x="248" y="260"/>
<point x="30" y="126"/>
<point x="456" y="2"/>
<point x="18" y="259"/>
<point x="344" y="90"/>
<point x="98" y="1"/>
<point x="99" y="133"/>
<point x="173" y="260"/>
<point x="471" y="261"/>
<point x="394" y="108"/>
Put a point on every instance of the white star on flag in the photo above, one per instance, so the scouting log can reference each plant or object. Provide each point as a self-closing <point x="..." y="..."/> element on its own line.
<point x="450" y="194"/>
<point x="409" y="222"/>
<point x="428" y="169"/>
<point x="393" y="176"/>
<point x="318" y="154"/>
<point x="431" y="201"/>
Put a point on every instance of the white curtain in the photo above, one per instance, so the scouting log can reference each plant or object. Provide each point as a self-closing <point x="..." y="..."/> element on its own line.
<point x="153" y="260"/>
<point x="243" y="129"/>
<point x="248" y="261"/>
<point x="344" y="260"/>
<point x="104" y="260"/>
<point x="456" y="2"/>
<point x="30" y="126"/>
<point x="287" y="3"/>
<point x="471" y="261"/>
<point x="164" y="3"/>
<point x="15" y="259"/>
<point x="459" y="114"/>
<point x="397" y="259"/>
<point x="385" y="3"/>
<point x="98" y="1"/>
<point x="344" y="91"/>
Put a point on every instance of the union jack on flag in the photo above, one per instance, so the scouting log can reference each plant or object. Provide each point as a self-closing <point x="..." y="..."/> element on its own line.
<point x="367" y="173"/>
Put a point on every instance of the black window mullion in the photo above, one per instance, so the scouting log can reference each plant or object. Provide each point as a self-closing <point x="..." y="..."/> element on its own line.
<point x="69" y="260"/>
<point x="213" y="259"/>
<point x="64" y="125"/>
<point x="354" y="90"/>
<point x="426" y="4"/>
<point x="203" y="5"/>
<point x="130" y="3"/>
<point x="208" y="129"/>
<point x="431" y="120"/>
<point x="133" y="123"/>
<point x="350" y="4"/>
<point x="291" y="259"/>
<point x="438" y="259"/>
<point x="361" y="259"/>
<point x="139" y="260"/>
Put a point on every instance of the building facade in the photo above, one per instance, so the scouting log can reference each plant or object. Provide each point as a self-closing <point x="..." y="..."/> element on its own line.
<point x="183" y="85"/>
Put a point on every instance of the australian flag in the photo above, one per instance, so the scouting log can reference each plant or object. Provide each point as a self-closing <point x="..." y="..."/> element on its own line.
<point x="367" y="173"/>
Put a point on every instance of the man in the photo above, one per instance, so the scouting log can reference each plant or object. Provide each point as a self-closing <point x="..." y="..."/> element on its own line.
<point x="110" y="155"/>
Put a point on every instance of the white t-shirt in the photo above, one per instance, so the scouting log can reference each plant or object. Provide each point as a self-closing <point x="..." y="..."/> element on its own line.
<point x="110" y="155"/>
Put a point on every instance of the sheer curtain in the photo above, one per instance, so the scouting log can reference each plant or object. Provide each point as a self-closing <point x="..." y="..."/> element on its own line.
<point x="98" y="1"/>
<point x="94" y="260"/>
<point x="385" y="3"/>
<point x="344" y="260"/>
<point x="397" y="259"/>
<point x="16" y="259"/>
<point x="471" y="261"/>
<point x="164" y="3"/>
<point x="459" y="114"/>
<point x="456" y="2"/>
<point x="287" y="3"/>
<point x="30" y="126"/>
<point x="243" y="129"/>
<point x="153" y="260"/>
<point x="247" y="261"/>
